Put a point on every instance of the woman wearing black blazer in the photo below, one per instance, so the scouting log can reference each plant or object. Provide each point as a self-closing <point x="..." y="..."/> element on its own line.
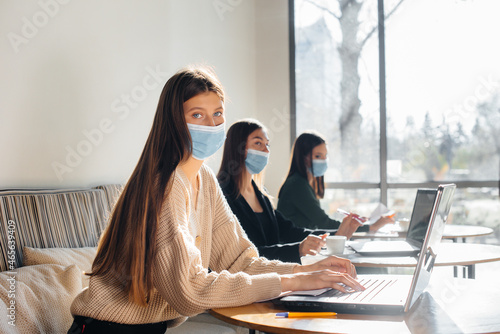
<point x="246" y="152"/>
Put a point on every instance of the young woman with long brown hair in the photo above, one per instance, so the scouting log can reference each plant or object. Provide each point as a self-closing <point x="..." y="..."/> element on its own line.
<point x="173" y="248"/>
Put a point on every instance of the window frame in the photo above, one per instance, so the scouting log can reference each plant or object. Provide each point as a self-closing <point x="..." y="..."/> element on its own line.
<point x="383" y="185"/>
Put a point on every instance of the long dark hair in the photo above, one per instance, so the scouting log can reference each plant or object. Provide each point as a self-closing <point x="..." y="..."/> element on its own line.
<point x="128" y="245"/>
<point x="233" y="158"/>
<point x="302" y="152"/>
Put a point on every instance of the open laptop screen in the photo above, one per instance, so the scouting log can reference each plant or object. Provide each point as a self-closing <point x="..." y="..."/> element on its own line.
<point x="421" y="215"/>
<point x="429" y="251"/>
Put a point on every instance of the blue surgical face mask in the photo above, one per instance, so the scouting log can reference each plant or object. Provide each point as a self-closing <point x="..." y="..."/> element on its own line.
<point x="256" y="161"/>
<point x="319" y="167"/>
<point x="206" y="139"/>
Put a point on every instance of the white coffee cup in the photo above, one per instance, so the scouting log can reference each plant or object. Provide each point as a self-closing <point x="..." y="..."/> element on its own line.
<point x="335" y="244"/>
<point x="404" y="223"/>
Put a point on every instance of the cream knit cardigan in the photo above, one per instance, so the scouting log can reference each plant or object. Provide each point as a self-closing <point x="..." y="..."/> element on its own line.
<point x="184" y="286"/>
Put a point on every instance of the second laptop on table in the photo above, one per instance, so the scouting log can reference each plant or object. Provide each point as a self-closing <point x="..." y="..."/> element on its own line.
<point x="419" y="222"/>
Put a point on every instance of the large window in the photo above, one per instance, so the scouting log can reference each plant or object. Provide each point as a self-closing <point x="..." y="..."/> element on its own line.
<point x="407" y="93"/>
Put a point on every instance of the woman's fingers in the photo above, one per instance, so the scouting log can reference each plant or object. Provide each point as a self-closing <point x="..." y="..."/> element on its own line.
<point x="309" y="251"/>
<point x="350" y="269"/>
<point x="325" y="278"/>
<point x="382" y="222"/>
<point x="356" y="220"/>
<point x="334" y="263"/>
<point x="315" y="240"/>
<point x="311" y="245"/>
<point x="346" y="280"/>
<point x="348" y="226"/>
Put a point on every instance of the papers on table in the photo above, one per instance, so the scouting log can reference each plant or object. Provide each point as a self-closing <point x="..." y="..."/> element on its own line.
<point x="380" y="211"/>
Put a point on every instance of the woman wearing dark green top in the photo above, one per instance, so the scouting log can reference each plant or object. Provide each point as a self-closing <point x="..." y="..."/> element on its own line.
<point x="304" y="186"/>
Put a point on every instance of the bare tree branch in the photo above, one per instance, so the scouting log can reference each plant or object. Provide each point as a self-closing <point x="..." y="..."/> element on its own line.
<point x="372" y="31"/>
<point x="394" y="9"/>
<point x="367" y="37"/>
<point x="322" y="8"/>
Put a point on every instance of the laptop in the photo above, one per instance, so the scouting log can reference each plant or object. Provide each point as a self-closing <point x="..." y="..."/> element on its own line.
<point x="419" y="222"/>
<point x="385" y="294"/>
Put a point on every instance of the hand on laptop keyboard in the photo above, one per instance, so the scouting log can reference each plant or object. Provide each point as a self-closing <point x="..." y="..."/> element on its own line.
<point x="332" y="272"/>
<point x="333" y="263"/>
<point x="325" y="278"/>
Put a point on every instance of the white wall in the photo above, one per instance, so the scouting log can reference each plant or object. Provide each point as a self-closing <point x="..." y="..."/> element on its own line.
<point x="80" y="80"/>
<point x="273" y="86"/>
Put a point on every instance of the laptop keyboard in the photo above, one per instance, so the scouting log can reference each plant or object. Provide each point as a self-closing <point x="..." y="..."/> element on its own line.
<point x="373" y="288"/>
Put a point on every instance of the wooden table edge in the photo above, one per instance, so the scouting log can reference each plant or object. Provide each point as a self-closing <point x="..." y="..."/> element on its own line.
<point x="254" y="326"/>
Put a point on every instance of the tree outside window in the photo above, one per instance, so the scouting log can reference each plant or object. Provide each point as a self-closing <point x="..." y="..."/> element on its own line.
<point x="442" y="114"/>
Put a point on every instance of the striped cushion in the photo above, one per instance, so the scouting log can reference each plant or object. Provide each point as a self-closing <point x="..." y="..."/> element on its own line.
<point x="49" y="218"/>
<point x="112" y="192"/>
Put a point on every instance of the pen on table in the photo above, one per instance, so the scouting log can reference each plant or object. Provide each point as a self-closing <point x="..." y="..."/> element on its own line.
<point x="305" y="314"/>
